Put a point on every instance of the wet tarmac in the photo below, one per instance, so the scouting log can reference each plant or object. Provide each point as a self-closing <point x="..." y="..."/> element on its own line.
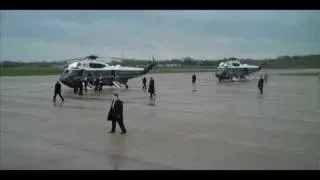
<point x="203" y="126"/>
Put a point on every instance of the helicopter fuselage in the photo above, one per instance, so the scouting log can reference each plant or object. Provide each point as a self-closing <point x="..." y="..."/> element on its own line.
<point x="92" y="70"/>
<point x="233" y="68"/>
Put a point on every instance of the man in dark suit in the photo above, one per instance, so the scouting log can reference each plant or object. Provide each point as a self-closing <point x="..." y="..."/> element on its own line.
<point x="57" y="91"/>
<point x="116" y="114"/>
<point x="260" y="84"/>
<point x="151" y="87"/>
<point x="144" y="82"/>
<point x="194" y="77"/>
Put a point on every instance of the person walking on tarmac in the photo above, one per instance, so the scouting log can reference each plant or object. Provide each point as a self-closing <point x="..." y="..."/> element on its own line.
<point x="100" y="83"/>
<point x="194" y="77"/>
<point x="80" y="85"/>
<point x="57" y="91"/>
<point x="85" y="83"/>
<point x="151" y="89"/>
<point x="115" y="114"/>
<point x="144" y="83"/>
<point x="96" y="84"/>
<point x="260" y="84"/>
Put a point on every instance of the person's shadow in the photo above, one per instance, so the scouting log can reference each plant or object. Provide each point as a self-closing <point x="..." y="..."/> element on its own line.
<point x="194" y="87"/>
<point x="152" y="101"/>
<point x="260" y="97"/>
<point x="60" y="104"/>
<point x="117" y="159"/>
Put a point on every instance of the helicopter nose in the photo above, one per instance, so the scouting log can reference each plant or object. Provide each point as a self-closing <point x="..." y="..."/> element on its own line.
<point x="65" y="80"/>
<point x="62" y="79"/>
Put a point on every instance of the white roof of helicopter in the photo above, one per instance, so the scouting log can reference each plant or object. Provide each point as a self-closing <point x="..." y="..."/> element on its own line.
<point x="85" y="64"/>
<point x="235" y="64"/>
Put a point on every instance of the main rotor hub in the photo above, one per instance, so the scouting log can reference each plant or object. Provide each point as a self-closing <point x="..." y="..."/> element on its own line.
<point x="92" y="57"/>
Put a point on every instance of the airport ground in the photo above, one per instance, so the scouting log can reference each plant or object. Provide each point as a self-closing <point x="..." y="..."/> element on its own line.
<point x="48" y="71"/>
<point x="208" y="126"/>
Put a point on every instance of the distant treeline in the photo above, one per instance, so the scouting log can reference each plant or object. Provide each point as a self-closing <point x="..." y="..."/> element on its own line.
<point x="304" y="61"/>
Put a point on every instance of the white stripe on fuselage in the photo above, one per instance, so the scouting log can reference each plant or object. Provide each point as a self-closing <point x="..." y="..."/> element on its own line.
<point x="229" y="64"/>
<point x="85" y="66"/>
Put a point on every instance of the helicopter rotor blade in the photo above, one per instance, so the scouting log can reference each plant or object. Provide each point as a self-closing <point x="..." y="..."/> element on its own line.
<point x="108" y="59"/>
<point x="72" y="60"/>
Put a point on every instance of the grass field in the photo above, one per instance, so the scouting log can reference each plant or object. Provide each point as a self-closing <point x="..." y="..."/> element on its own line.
<point x="300" y="74"/>
<point x="28" y="71"/>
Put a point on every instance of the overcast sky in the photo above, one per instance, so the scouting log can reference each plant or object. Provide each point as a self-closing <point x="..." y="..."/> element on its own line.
<point x="55" y="35"/>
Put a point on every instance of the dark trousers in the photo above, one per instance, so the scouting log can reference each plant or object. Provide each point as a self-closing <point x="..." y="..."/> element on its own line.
<point x="80" y="91"/>
<point x="120" y="122"/>
<point x="261" y="90"/>
<point x="55" y="95"/>
<point x="144" y="86"/>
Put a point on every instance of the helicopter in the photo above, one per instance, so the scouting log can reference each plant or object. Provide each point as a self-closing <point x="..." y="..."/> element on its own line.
<point x="233" y="68"/>
<point x="90" y="68"/>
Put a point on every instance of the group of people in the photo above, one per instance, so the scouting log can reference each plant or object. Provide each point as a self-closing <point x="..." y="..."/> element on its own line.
<point x="151" y="88"/>
<point x="115" y="114"/>
<point x="97" y="83"/>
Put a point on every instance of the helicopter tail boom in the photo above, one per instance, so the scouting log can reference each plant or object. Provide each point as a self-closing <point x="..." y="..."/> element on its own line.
<point x="149" y="68"/>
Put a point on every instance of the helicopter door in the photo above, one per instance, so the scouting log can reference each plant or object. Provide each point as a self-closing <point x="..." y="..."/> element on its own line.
<point x="82" y="74"/>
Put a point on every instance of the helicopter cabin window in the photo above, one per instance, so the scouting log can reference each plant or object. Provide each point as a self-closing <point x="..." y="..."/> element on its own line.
<point x="96" y="65"/>
<point x="235" y="64"/>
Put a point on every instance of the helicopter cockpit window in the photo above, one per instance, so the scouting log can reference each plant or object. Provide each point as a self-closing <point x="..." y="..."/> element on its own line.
<point x="75" y="73"/>
<point x="96" y="65"/>
<point x="65" y="72"/>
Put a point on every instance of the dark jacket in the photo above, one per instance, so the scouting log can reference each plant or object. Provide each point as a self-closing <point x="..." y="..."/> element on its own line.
<point x="57" y="88"/>
<point x="260" y="83"/>
<point x="144" y="80"/>
<point x="116" y="112"/>
<point x="79" y="83"/>
<point x="151" y="86"/>
<point x="96" y="82"/>
<point x="85" y="83"/>
<point x="194" y="78"/>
